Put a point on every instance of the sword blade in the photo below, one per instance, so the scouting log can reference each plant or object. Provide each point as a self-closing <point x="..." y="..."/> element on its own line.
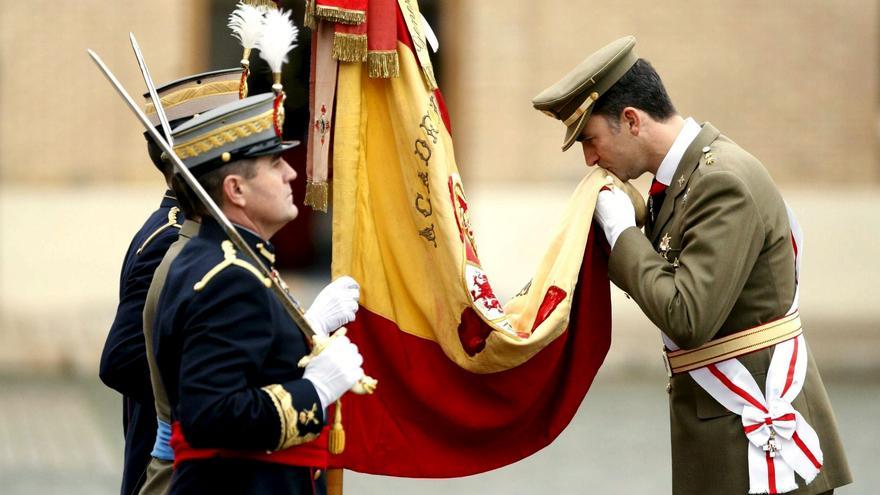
<point x="290" y="305"/>
<point x="157" y="103"/>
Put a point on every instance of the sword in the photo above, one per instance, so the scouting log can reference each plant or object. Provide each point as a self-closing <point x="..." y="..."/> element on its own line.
<point x="365" y="385"/>
<point x="148" y="80"/>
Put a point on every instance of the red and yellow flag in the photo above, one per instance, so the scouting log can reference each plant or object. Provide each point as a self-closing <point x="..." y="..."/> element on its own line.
<point x="466" y="384"/>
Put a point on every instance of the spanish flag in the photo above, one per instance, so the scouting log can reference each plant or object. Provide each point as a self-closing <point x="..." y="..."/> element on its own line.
<point x="466" y="383"/>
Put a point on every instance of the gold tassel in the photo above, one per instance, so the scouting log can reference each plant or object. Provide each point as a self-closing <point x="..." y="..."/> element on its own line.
<point x="342" y="16"/>
<point x="350" y="47"/>
<point x="309" y="21"/>
<point x="316" y="195"/>
<point x="336" y="442"/>
<point x="383" y="64"/>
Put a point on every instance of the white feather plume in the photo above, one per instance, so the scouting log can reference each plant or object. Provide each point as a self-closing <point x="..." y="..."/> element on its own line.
<point x="246" y="23"/>
<point x="278" y="38"/>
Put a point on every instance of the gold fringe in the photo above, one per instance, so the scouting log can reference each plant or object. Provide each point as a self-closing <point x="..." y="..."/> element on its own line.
<point x="350" y="47"/>
<point x="342" y="16"/>
<point x="383" y="64"/>
<point x="316" y="195"/>
<point x="336" y="442"/>
<point x="309" y="21"/>
<point x="266" y="4"/>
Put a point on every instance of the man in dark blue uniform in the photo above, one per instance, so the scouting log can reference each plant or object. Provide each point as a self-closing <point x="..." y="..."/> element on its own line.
<point x="123" y="360"/>
<point x="245" y="417"/>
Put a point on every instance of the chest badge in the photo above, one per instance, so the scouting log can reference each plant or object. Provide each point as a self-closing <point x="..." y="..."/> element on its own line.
<point x="664" y="244"/>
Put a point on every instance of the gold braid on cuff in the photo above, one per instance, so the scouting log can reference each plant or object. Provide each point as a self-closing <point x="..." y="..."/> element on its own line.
<point x="290" y="418"/>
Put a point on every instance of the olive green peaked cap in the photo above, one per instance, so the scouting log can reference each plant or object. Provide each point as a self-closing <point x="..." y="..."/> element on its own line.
<point x="571" y="99"/>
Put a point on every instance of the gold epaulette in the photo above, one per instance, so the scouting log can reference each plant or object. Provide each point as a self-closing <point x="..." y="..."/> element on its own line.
<point x="172" y="223"/>
<point x="290" y="418"/>
<point x="229" y="259"/>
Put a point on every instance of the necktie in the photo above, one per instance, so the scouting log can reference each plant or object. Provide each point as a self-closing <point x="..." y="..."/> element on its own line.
<point x="656" y="195"/>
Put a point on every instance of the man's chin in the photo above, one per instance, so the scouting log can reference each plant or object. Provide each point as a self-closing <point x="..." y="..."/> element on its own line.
<point x="293" y="213"/>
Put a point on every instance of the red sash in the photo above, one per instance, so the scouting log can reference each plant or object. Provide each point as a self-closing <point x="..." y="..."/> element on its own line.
<point x="310" y="454"/>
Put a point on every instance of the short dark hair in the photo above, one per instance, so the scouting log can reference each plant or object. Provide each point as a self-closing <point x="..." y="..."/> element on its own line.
<point x="157" y="156"/>
<point x="212" y="182"/>
<point x="640" y="87"/>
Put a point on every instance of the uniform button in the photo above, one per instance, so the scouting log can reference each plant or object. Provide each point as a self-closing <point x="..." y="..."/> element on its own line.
<point x="318" y="473"/>
<point x="706" y="149"/>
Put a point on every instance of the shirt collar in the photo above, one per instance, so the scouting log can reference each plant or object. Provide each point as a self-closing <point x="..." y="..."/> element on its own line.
<point x="670" y="162"/>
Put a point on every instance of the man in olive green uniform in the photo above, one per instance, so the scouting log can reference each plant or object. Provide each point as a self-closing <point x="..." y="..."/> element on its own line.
<point x="715" y="270"/>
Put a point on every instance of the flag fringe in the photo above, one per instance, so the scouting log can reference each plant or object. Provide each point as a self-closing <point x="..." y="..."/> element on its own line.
<point x="383" y="64"/>
<point x="350" y="47"/>
<point x="316" y="195"/>
<point x="309" y="19"/>
<point x="342" y="16"/>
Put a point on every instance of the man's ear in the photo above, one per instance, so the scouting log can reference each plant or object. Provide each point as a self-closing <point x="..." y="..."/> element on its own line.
<point x="232" y="190"/>
<point x="632" y="120"/>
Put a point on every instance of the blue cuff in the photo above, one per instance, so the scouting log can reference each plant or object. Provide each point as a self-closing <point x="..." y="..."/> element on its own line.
<point x="162" y="449"/>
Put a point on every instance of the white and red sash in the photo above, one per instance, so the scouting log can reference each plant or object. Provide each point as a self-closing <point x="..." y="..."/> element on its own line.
<point x="781" y="442"/>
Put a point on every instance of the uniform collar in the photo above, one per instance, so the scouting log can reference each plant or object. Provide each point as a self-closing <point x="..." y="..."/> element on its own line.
<point x="673" y="157"/>
<point x="168" y="200"/>
<point x="689" y="162"/>
<point x="211" y="230"/>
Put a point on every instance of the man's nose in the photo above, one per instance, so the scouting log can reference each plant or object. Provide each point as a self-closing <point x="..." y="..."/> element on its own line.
<point x="291" y="173"/>
<point x="590" y="156"/>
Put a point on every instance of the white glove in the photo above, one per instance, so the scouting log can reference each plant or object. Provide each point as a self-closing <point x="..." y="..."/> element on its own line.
<point x="615" y="213"/>
<point x="335" y="306"/>
<point x="335" y="370"/>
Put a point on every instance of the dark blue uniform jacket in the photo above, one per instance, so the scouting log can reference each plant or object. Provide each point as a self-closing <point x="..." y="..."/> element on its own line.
<point x="218" y="349"/>
<point x="124" y="360"/>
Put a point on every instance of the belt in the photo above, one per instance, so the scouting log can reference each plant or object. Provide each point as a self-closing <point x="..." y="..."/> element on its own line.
<point x="310" y="454"/>
<point x="733" y="345"/>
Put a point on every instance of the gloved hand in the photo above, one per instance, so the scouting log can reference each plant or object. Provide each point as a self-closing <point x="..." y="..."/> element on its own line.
<point x="335" y="370"/>
<point x="335" y="306"/>
<point x="614" y="212"/>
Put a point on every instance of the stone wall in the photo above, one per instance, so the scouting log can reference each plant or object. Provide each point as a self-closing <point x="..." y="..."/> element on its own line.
<point x="60" y="121"/>
<point x="793" y="82"/>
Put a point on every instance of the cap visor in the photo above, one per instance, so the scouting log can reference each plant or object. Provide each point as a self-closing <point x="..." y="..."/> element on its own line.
<point x="573" y="131"/>
<point x="274" y="148"/>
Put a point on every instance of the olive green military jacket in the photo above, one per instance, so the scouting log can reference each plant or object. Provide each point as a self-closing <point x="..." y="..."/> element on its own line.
<point x="718" y="260"/>
<point x="159" y="472"/>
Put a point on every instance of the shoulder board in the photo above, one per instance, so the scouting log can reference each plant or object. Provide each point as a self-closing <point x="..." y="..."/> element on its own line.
<point x="229" y="259"/>
<point x="172" y="223"/>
